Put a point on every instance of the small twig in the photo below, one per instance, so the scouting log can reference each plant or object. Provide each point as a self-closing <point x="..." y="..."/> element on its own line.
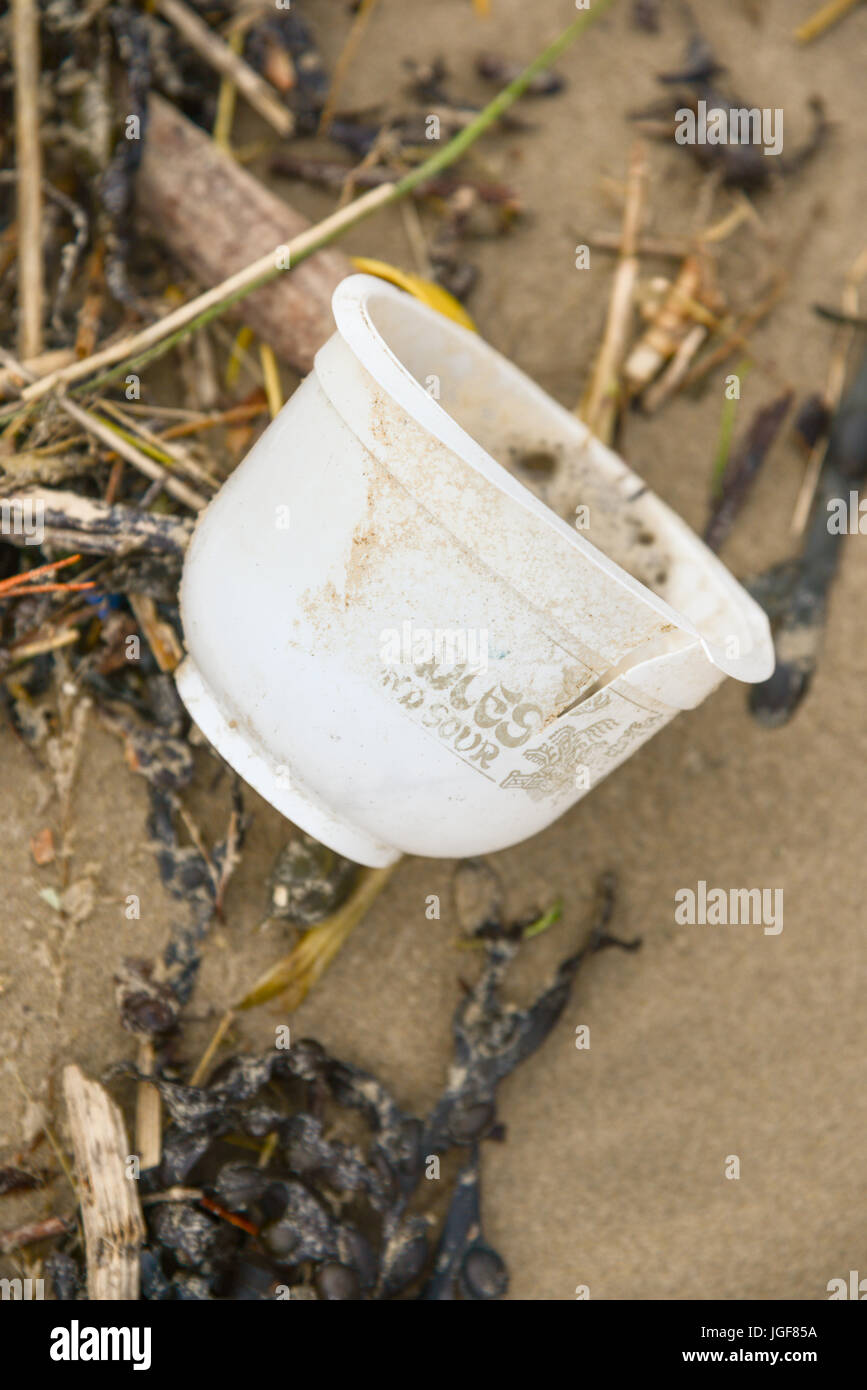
<point x="15" y="580"/>
<point x="242" y="1222"/>
<point x="259" y="93"/>
<point x="356" y="172"/>
<point x="173" y="1194"/>
<point x="33" y="1231"/>
<point x="198" y="840"/>
<point x="235" y="415"/>
<point x="737" y="338"/>
<point x="166" y="412"/>
<point x="176" y="453"/>
<point x="416" y="237"/>
<point x="223" y="1027"/>
<point x="47" y="1131"/>
<point x="599" y="407"/>
<point x="231" y="860"/>
<point x="268" y="1148"/>
<point x="334" y="174"/>
<point x="743" y="211"/>
<point x="341" y="67"/>
<point x="825" y="311"/>
<point x="148" y="1116"/>
<point x="823" y="18"/>
<point x="90" y="311"/>
<point x="224" y="119"/>
<point x="24" y="651"/>
<point x="160" y="635"/>
<point x="674" y="373"/>
<point x="239" y="356"/>
<point x="671" y="249"/>
<point x="44" y="589"/>
<point x="271" y="377"/>
<point x="298" y="971"/>
<point x="25" y="44"/>
<point x="33" y="367"/>
<point x="110" y="436"/>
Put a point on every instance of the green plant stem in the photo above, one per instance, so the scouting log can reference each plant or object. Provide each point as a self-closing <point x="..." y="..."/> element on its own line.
<point x="726" y="433"/>
<point x="365" y="205"/>
<point x="500" y="103"/>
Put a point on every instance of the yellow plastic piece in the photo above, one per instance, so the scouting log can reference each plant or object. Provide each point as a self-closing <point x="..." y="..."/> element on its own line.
<point x="425" y="290"/>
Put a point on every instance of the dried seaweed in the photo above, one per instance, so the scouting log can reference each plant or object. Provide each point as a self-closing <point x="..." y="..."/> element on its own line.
<point x="796" y="594"/>
<point x="117" y="185"/>
<point x="287" y="31"/>
<point x="490" y="1038"/>
<point x="463" y="1262"/>
<point x="743" y="467"/>
<point x="738" y="164"/>
<point x="494" y="68"/>
<point x="196" y="876"/>
<point x="308" y="881"/>
<point x="336" y="1208"/>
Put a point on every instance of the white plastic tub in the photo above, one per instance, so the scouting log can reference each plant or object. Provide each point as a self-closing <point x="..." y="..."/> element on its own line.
<point x="371" y="517"/>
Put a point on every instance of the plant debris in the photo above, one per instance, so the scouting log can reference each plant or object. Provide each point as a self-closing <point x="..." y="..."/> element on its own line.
<point x="738" y="163"/>
<point x="308" y="881"/>
<point x="743" y="466"/>
<point x="19" y="1180"/>
<point x="334" y="1203"/>
<point x="796" y="593"/>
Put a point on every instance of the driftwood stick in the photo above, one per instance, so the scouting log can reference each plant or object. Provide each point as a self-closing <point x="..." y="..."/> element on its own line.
<point x="111" y="1211"/>
<point x="28" y="155"/>
<point x="260" y="94"/>
<point x="214" y="215"/>
<point x="74" y="522"/>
